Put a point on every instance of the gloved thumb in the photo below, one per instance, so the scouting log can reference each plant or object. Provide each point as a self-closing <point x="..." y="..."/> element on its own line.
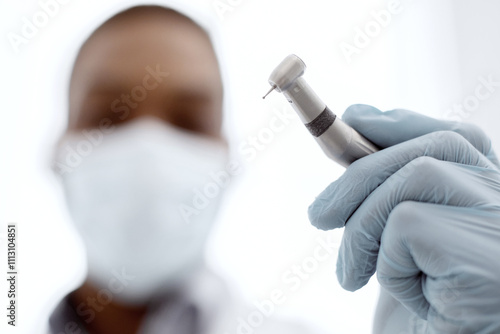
<point x="396" y="126"/>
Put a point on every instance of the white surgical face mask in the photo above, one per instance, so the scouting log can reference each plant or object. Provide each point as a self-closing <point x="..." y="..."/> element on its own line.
<point x="144" y="199"/>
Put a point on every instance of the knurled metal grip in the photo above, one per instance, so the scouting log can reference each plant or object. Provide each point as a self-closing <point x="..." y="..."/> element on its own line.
<point x="320" y="124"/>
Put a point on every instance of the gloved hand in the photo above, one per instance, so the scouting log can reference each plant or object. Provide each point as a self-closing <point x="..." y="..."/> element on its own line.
<point x="424" y="213"/>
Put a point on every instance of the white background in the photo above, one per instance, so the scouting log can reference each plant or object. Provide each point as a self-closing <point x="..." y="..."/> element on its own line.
<point x="428" y="58"/>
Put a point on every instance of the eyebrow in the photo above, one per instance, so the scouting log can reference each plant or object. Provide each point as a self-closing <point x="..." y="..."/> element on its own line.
<point x="192" y="96"/>
<point x="116" y="88"/>
<point x="198" y="91"/>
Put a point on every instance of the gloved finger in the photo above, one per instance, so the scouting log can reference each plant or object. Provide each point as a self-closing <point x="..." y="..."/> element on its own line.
<point x="333" y="207"/>
<point x="396" y="126"/>
<point x="423" y="180"/>
<point x="432" y="259"/>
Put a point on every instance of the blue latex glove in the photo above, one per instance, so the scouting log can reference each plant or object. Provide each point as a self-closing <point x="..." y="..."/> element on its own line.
<point x="424" y="212"/>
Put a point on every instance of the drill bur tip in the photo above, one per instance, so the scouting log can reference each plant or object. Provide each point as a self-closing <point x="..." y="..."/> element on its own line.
<point x="269" y="92"/>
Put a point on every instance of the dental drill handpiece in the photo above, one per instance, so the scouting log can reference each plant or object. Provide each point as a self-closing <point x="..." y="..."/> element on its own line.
<point x="338" y="140"/>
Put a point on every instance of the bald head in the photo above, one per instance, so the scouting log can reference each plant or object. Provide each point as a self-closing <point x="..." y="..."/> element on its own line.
<point x="147" y="60"/>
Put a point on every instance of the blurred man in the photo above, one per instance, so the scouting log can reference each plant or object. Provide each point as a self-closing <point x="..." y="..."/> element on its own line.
<point x="143" y="163"/>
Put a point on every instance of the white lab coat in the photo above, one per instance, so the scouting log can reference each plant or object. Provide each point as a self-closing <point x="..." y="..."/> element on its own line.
<point x="219" y="311"/>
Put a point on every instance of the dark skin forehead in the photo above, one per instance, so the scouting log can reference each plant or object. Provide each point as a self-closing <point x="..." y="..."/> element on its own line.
<point x="147" y="61"/>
